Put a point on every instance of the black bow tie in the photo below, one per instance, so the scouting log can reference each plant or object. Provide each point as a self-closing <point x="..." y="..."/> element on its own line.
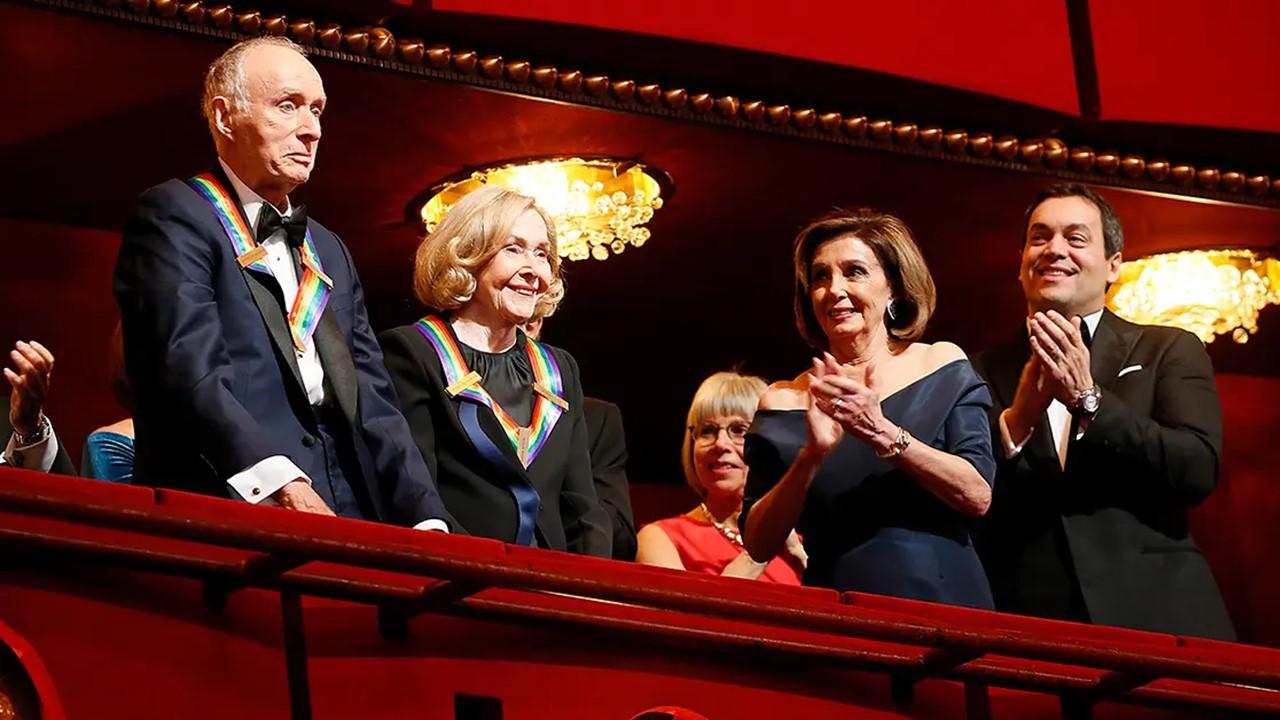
<point x="295" y="226"/>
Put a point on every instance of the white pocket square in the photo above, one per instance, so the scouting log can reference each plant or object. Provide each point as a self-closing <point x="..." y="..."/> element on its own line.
<point x="1126" y="371"/>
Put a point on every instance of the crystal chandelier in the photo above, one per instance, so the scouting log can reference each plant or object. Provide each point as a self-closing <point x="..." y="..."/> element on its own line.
<point x="600" y="205"/>
<point x="1207" y="292"/>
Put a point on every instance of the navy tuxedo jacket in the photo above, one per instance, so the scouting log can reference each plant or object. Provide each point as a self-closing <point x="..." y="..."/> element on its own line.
<point x="213" y="370"/>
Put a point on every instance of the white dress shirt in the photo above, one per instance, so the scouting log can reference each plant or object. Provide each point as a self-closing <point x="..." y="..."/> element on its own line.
<point x="1059" y="415"/>
<point x="258" y="482"/>
<point x="36" y="456"/>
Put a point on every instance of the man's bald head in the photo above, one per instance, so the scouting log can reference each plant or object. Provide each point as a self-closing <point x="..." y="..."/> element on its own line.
<point x="263" y="101"/>
<point x="226" y="76"/>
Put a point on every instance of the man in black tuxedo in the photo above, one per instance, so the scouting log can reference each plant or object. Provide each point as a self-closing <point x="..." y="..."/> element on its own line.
<point x="26" y="435"/>
<point x="1106" y="432"/>
<point x="246" y="340"/>
<point x="608" y="445"/>
<point x="609" y="469"/>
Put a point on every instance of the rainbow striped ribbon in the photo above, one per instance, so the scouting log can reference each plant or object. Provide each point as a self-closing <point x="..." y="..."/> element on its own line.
<point x="314" y="287"/>
<point x="548" y="387"/>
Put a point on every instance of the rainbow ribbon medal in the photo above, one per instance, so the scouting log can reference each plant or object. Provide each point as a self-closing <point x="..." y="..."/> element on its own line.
<point x="548" y="387"/>
<point x="314" y="287"/>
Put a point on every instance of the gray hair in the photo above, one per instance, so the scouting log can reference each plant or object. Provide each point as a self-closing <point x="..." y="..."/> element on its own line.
<point x="225" y="77"/>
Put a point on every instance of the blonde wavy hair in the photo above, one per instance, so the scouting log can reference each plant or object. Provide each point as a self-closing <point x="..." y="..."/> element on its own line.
<point x="467" y="237"/>
<point x="724" y="393"/>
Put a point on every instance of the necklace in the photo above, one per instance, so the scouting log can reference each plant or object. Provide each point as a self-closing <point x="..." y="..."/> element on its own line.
<point x="734" y="535"/>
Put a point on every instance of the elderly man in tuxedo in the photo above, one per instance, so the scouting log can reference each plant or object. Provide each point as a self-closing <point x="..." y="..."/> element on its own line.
<point x="246" y="340"/>
<point x="25" y="432"/>
<point x="1107" y="433"/>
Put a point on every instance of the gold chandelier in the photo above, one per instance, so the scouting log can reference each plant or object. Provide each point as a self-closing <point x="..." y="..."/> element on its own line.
<point x="600" y="205"/>
<point x="1207" y="292"/>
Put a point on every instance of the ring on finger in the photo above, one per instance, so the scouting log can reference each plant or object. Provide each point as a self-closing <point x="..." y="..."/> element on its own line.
<point x="838" y="402"/>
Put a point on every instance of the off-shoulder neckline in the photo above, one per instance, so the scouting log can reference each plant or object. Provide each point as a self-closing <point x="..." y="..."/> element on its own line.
<point x="893" y="394"/>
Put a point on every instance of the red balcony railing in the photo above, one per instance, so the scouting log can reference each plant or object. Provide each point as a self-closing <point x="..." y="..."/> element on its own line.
<point x="228" y="547"/>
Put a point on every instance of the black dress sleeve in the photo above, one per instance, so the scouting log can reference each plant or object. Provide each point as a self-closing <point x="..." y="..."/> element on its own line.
<point x="766" y="464"/>
<point x="967" y="429"/>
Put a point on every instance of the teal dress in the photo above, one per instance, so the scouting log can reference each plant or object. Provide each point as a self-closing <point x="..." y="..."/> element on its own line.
<point x="108" y="456"/>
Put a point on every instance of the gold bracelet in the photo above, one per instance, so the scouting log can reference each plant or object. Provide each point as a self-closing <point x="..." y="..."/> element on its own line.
<point x="899" y="445"/>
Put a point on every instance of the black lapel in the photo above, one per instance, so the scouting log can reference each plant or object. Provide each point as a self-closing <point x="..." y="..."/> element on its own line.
<point x="1114" y="340"/>
<point x="266" y="293"/>
<point x="339" y="368"/>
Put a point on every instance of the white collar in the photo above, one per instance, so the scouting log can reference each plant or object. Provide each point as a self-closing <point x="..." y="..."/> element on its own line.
<point x="1091" y="320"/>
<point x="251" y="201"/>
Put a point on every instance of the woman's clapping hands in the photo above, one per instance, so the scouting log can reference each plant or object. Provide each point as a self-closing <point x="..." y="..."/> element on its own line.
<point x="824" y="431"/>
<point x="850" y="402"/>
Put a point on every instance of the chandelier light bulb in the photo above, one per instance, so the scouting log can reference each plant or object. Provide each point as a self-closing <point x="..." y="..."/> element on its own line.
<point x="600" y="205"/>
<point x="1206" y="292"/>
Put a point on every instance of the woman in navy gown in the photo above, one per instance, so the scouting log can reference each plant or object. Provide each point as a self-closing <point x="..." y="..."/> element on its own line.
<point x="880" y="454"/>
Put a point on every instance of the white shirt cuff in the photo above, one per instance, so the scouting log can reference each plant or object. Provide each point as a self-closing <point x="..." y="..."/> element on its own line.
<point x="36" y="456"/>
<point x="258" y="482"/>
<point x="1082" y="425"/>
<point x="1011" y="449"/>
<point x="433" y="524"/>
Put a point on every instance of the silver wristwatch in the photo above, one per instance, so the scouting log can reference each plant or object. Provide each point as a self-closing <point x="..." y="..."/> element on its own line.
<point x="40" y="434"/>
<point x="1087" y="402"/>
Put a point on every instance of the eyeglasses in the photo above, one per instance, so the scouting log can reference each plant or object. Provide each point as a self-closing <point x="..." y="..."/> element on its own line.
<point x="707" y="433"/>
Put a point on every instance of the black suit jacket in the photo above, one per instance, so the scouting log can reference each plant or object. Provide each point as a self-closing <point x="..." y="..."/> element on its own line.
<point x="609" y="468"/>
<point x="1120" y="505"/>
<point x="61" y="462"/>
<point x="212" y="365"/>
<point x="474" y="489"/>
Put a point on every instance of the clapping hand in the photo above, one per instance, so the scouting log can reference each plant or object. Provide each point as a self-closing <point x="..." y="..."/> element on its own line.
<point x="851" y="402"/>
<point x="1059" y="347"/>
<point x="30" y="383"/>
<point x="1031" y="398"/>
<point x="824" y="432"/>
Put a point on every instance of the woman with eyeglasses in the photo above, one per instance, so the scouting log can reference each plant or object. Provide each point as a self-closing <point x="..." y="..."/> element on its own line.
<point x="881" y="453"/>
<point x="707" y="538"/>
